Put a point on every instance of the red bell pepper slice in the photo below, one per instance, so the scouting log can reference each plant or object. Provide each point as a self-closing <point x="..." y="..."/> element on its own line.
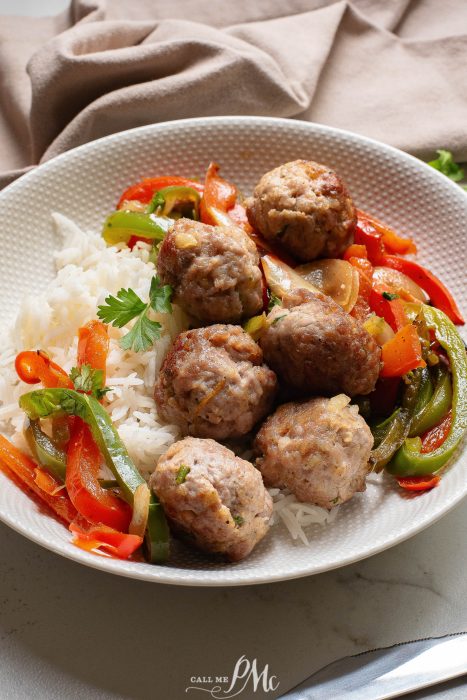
<point x="392" y="310"/>
<point x="439" y="294"/>
<point x="24" y="470"/>
<point x="402" y="353"/>
<point x="418" y="483"/>
<point x="355" y="251"/>
<point x="392" y="241"/>
<point x="218" y="193"/>
<point x="93" y="346"/>
<point x="105" y="540"/>
<point x="95" y="503"/>
<point x="144" y="191"/>
<point x="34" y="366"/>
<point x="366" y="234"/>
<point x="435" y="437"/>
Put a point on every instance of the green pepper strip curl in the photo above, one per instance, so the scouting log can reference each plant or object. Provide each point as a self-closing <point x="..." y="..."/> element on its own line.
<point x="45" y="450"/>
<point x="121" y="225"/>
<point x="392" y="432"/>
<point x="156" y="541"/>
<point x="432" y="411"/>
<point x="409" y="460"/>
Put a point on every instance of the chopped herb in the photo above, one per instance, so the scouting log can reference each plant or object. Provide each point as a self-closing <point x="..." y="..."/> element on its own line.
<point x="446" y="165"/>
<point x="127" y="305"/>
<point x="89" y="381"/>
<point x="276" y="320"/>
<point x="389" y="296"/>
<point x="182" y="474"/>
<point x="238" y="520"/>
<point x="334" y="500"/>
<point x="273" y="301"/>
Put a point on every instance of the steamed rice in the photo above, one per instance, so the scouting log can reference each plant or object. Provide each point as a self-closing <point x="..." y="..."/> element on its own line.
<point x="87" y="272"/>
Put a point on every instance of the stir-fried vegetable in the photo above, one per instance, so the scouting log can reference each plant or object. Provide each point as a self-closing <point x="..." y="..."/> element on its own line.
<point x="12" y="460"/>
<point x="433" y="408"/>
<point x="402" y="353"/>
<point x="144" y="191"/>
<point x="53" y="402"/>
<point x="439" y="294"/>
<point x="45" y="450"/>
<point x="409" y="460"/>
<point x="34" y="367"/>
<point x="93" y="347"/>
<point x="105" y="540"/>
<point x="122" y="225"/>
<point x="156" y="541"/>
<point x="336" y="278"/>
<point x="90" y="499"/>
<point x="391" y="433"/>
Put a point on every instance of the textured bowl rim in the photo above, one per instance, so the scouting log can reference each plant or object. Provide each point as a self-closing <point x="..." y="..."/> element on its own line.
<point x="167" y="575"/>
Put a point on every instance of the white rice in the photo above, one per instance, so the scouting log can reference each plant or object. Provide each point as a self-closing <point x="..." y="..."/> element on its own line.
<point x="87" y="272"/>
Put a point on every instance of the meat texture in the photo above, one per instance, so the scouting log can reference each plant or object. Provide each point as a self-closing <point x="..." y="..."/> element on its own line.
<point x="214" y="271"/>
<point x="215" y="498"/>
<point x="213" y="383"/>
<point x="318" y="348"/>
<point x="305" y="206"/>
<point x="319" y="449"/>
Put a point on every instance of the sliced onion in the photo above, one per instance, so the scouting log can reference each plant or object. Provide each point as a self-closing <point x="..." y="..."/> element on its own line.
<point x="379" y="329"/>
<point x="282" y="279"/>
<point x="336" y="278"/>
<point x="139" y="520"/>
<point x="397" y="281"/>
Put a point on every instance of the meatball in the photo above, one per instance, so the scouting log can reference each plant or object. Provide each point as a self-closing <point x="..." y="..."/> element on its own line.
<point x="319" y="449"/>
<point x="213" y="496"/>
<point x="214" y="271"/>
<point x="318" y="348"/>
<point x="213" y="383"/>
<point x="306" y="206"/>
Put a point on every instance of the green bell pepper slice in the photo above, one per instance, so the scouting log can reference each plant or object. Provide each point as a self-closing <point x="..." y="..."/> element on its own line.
<point x="45" y="450"/>
<point x="166" y="199"/>
<point x="409" y="460"/>
<point x="156" y="541"/>
<point x="121" y="225"/>
<point x="54" y="402"/>
<point x="431" y="412"/>
<point x="391" y="433"/>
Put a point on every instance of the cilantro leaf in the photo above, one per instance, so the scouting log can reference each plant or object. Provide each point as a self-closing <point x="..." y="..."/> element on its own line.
<point x="273" y="301"/>
<point x="127" y="305"/>
<point x="446" y="165"/>
<point x="89" y="381"/>
<point x="142" y="335"/>
<point x="238" y="520"/>
<point x="121" y="309"/>
<point x="160" y="296"/>
<point x="182" y="474"/>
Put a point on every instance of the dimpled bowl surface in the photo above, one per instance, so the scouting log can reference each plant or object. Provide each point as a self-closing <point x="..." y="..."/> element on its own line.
<point x="85" y="183"/>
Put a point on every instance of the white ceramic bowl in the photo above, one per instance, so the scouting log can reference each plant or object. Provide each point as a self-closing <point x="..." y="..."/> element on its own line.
<point x="85" y="183"/>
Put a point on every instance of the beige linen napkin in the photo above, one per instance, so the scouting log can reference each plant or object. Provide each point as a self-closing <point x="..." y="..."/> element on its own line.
<point x="391" y="69"/>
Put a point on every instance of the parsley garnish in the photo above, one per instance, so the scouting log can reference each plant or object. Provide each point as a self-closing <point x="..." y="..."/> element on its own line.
<point x="89" y="381"/>
<point x="127" y="305"/>
<point x="276" y="320"/>
<point x="238" y="520"/>
<point x="446" y="165"/>
<point x="389" y="296"/>
<point x="273" y="301"/>
<point x="182" y="474"/>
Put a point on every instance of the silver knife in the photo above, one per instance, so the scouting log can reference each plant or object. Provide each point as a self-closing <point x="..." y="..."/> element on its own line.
<point x="387" y="673"/>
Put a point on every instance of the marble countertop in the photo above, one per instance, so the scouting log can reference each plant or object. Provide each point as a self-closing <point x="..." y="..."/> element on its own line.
<point x="67" y="631"/>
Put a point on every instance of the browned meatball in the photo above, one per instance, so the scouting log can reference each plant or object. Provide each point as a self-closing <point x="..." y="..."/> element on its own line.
<point x="213" y="496"/>
<point x="213" y="270"/>
<point x="318" y="449"/>
<point x="318" y="348"/>
<point x="213" y="383"/>
<point x="306" y="206"/>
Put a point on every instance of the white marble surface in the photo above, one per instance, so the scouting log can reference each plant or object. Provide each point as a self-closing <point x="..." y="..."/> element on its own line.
<point x="69" y="632"/>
